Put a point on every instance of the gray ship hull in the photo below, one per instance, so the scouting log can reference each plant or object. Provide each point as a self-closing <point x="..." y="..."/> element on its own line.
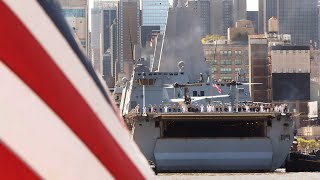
<point x="182" y="154"/>
<point x="213" y="154"/>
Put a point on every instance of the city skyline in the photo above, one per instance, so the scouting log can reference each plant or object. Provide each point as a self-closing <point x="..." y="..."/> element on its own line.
<point x="226" y="14"/>
<point x="252" y="5"/>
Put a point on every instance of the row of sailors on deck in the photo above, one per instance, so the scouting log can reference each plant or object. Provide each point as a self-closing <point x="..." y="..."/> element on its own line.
<point x="212" y="108"/>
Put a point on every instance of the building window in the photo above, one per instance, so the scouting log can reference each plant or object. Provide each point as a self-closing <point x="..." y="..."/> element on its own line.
<point x="226" y="78"/>
<point x="238" y="62"/>
<point x="226" y="62"/>
<point x="225" y="70"/>
<point x="74" y="12"/>
<point x="237" y="53"/>
<point x="215" y="62"/>
<point x="237" y="70"/>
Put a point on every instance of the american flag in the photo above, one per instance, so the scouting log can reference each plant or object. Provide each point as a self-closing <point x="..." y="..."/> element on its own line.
<point x="217" y="87"/>
<point x="57" y="120"/>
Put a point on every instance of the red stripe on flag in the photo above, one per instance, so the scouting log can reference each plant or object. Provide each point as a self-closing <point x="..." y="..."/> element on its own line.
<point x="21" y="52"/>
<point x="11" y="167"/>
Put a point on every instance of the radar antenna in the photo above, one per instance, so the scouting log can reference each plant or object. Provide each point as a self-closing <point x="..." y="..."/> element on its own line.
<point x="181" y="66"/>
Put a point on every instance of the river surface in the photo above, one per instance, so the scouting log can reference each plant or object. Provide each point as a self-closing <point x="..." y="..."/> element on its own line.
<point x="278" y="174"/>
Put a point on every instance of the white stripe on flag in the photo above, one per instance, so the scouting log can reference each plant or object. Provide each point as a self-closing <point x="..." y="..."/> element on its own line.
<point x="30" y="128"/>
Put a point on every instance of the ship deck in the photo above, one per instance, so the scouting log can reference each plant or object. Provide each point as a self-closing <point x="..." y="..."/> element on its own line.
<point x="213" y="116"/>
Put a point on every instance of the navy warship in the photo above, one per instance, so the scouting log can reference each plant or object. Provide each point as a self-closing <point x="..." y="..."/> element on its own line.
<point x="184" y="120"/>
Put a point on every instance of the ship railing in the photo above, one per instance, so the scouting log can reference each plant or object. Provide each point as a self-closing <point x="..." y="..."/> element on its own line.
<point x="210" y="108"/>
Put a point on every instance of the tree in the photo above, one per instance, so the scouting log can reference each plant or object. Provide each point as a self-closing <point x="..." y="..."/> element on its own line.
<point x="302" y="143"/>
<point x="212" y="38"/>
<point x="312" y="144"/>
<point x="308" y="144"/>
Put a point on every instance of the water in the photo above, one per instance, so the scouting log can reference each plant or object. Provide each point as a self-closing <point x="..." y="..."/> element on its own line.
<point x="278" y="174"/>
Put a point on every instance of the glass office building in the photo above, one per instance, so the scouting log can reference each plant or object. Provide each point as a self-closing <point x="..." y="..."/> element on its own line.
<point x="154" y="13"/>
<point x="204" y="12"/>
<point x="299" y="18"/>
<point x="296" y="17"/>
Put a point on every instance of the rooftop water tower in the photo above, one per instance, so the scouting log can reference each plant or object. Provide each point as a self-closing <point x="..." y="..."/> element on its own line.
<point x="273" y="25"/>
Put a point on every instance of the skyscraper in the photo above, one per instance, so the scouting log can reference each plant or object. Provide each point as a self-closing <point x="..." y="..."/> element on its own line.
<point x="128" y="35"/>
<point x="260" y="17"/>
<point x="154" y="13"/>
<point x="75" y="13"/>
<point x="106" y="63"/>
<point x="253" y="16"/>
<point x="299" y="18"/>
<point x="101" y="17"/>
<point x="271" y="9"/>
<point x="146" y="33"/>
<point x="296" y="17"/>
<point x="95" y="38"/>
<point x="216" y="14"/>
<point x="107" y="18"/>
<point x="113" y="47"/>
<point x="239" y="10"/>
<point x="225" y="13"/>
<point x="203" y="8"/>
